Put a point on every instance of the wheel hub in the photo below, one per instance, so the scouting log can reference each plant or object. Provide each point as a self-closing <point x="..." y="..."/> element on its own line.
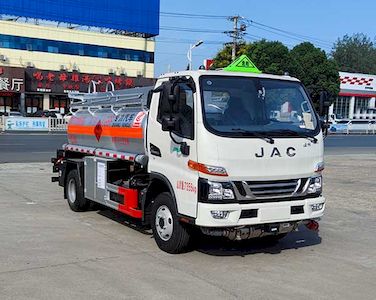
<point x="164" y="222"/>
<point x="71" y="191"/>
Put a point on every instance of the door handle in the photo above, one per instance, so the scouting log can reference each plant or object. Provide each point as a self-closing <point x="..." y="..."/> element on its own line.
<point x="154" y="150"/>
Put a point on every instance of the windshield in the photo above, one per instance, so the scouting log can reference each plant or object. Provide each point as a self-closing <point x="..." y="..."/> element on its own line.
<point x="237" y="106"/>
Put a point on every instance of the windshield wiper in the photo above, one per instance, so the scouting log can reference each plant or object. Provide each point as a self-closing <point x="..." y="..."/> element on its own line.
<point x="298" y="134"/>
<point x="264" y="137"/>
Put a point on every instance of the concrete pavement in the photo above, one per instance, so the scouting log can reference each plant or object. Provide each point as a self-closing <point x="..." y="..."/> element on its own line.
<point x="50" y="252"/>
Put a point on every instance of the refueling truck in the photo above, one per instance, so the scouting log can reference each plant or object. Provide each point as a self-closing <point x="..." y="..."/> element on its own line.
<point x="234" y="153"/>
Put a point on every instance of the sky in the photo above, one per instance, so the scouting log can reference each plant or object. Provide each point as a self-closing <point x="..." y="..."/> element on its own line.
<point x="323" y="21"/>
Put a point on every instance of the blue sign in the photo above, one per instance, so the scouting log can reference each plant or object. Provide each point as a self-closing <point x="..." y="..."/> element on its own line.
<point x="26" y="124"/>
<point x="140" y="16"/>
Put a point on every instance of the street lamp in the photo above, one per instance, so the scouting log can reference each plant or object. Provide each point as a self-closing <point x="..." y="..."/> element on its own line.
<point x="189" y="54"/>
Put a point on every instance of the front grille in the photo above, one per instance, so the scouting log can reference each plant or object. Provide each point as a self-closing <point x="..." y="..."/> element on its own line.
<point x="273" y="189"/>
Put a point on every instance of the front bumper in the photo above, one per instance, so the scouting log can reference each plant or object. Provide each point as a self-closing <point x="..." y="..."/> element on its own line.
<point x="271" y="212"/>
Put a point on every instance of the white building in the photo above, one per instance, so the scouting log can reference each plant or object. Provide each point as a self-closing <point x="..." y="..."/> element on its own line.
<point x="356" y="99"/>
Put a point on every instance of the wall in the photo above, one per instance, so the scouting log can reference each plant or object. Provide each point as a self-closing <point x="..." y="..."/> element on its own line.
<point x="52" y="61"/>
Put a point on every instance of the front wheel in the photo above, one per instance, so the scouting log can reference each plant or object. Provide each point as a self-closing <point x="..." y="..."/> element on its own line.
<point x="170" y="235"/>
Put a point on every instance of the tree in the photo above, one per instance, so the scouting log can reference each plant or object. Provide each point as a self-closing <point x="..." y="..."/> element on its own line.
<point x="312" y="66"/>
<point x="306" y="62"/>
<point x="270" y="57"/>
<point x="355" y="53"/>
<point x="223" y="57"/>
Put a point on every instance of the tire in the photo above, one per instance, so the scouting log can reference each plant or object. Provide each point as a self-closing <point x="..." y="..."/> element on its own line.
<point x="170" y="235"/>
<point x="75" y="193"/>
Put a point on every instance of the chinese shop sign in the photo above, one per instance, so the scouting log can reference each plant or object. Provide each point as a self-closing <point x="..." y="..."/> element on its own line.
<point x="11" y="80"/>
<point x="65" y="82"/>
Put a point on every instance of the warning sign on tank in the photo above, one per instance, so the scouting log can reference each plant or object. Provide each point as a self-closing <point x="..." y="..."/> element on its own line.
<point x="138" y="119"/>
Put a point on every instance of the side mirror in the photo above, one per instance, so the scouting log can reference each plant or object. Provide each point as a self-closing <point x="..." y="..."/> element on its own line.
<point x="174" y="98"/>
<point x="324" y="103"/>
<point x="170" y="123"/>
<point x="324" y="124"/>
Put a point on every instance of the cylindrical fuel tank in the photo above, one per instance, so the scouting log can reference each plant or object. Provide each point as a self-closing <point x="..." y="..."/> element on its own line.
<point x="122" y="131"/>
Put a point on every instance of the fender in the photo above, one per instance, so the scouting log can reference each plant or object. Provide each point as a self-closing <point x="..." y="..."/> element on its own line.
<point x="157" y="176"/>
<point x="69" y="164"/>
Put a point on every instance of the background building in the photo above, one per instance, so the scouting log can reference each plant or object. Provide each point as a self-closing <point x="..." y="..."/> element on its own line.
<point x="357" y="96"/>
<point x="48" y="48"/>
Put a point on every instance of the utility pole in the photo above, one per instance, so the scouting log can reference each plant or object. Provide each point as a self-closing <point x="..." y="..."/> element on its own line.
<point x="237" y="33"/>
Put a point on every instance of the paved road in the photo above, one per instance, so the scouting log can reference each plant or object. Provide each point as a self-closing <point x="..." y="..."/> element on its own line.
<point x="49" y="252"/>
<point x="41" y="147"/>
<point x="350" y="144"/>
<point x="29" y="147"/>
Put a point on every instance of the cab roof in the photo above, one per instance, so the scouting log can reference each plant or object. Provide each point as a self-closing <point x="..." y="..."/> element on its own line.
<point x="198" y="73"/>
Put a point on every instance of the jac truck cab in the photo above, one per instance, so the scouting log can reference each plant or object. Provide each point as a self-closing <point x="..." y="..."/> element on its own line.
<point x="236" y="154"/>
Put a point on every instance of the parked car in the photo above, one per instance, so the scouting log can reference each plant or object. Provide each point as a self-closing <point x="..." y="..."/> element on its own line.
<point x="13" y="114"/>
<point x="44" y="114"/>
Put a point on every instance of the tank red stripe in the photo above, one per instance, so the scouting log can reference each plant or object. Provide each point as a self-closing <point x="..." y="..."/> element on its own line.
<point x="100" y="153"/>
<point x="130" y="132"/>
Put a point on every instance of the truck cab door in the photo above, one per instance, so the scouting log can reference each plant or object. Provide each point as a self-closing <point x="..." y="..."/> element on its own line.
<point x="170" y="151"/>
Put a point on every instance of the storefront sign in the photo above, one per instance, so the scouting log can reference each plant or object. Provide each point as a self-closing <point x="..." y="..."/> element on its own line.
<point x="12" y="80"/>
<point x="30" y="124"/>
<point x="62" y="82"/>
<point x="357" y="85"/>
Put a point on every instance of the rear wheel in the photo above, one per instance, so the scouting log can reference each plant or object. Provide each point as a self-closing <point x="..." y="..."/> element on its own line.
<point x="170" y="235"/>
<point x="75" y="193"/>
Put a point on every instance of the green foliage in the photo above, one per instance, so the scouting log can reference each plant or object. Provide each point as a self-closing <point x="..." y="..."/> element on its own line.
<point x="270" y="57"/>
<point x="305" y="62"/>
<point x="355" y="53"/>
<point x="314" y="69"/>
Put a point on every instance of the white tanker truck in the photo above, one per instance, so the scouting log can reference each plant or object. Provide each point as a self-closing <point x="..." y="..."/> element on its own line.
<point x="216" y="150"/>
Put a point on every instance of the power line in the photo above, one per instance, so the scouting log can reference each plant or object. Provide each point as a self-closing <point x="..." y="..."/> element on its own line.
<point x="252" y="22"/>
<point x="255" y="24"/>
<point x="190" y="16"/>
<point x="184" y="29"/>
<point x="187" y="41"/>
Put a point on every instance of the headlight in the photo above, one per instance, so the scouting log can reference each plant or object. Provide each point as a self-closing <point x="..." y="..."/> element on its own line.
<point x="219" y="191"/>
<point x="315" y="185"/>
<point x="215" y="191"/>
